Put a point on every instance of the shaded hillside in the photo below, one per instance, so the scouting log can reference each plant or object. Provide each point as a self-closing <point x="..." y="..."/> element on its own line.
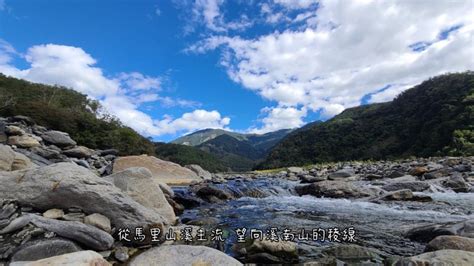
<point x="184" y="155"/>
<point x="433" y="118"/>
<point x="66" y="110"/>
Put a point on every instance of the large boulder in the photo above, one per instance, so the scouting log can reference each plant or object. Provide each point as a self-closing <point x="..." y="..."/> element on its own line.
<point x="7" y="156"/>
<point x="66" y="185"/>
<point x="331" y="189"/>
<point x="343" y="173"/>
<point x="87" y="235"/>
<point x="457" y="184"/>
<point x="177" y="255"/>
<point x="199" y="171"/>
<point x="413" y="186"/>
<point x="138" y="183"/>
<point x="44" y="248"/>
<point x="58" y="138"/>
<point x="78" y="152"/>
<point x="80" y="258"/>
<point x="451" y="242"/>
<point x="24" y="141"/>
<point x="428" y="232"/>
<point x="164" y="171"/>
<point x="440" y="257"/>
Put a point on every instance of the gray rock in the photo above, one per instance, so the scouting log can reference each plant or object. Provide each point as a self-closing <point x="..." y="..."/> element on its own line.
<point x="121" y="254"/>
<point x="295" y="170"/>
<point x="53" y="214"/>
<point x="82" y="258"/>
<point x="353" y="253"/>
<point x="100" y="221"/>
<point x="66" y="185"/>
<point x="139" y="184"/>
<point x="404" y="194"/>
<point x="343" y="173"/>
<point x="428" y="232"/>
<point x="74" y="216"/>
<point x="166" y="189"/>
<point x="113" y="152"/>
<point x="451" y="242"/>
<point x="44" y="248"/>
<point x="14" y="131"/>
<point x="331" y="189"/>
<point x="7" y="156"/>
<point x="21" y="162"/>
<point x="457" y="184"/>
<point x="78" y="152"/>
<point x="58" y="138"/>
<point x="82" y="233"/>
<point x="24" y="119"/>
<point x="413" y="186"/>
<point x="23" y="141"/>
<point x="440" y="257"/>
<point x="178" y="255"/>
<point x="199" y="171"/>
<point x="35" y="158"/>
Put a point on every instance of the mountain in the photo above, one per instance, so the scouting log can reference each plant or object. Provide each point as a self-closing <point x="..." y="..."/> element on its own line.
<point x="433" y="118"/>
<point x="239" y="152"/>
<point x="184" y="155"/>
<point x="63" y="109"/>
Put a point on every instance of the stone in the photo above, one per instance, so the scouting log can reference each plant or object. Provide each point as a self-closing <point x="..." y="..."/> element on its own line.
<point x="278" y="249"/>
<point x="295" y="170"/>
<point x="113" y="152"/>
<point x="209" y="191"/>
<point x="74" y="216"/>
<point x="100" y="221"/>
<point x="427" y="233"/>
<point x="451" y="242"/>
<point x="46" y="152"/>
<point x="139" y="184"/>
<point x="21" y="118"/>
<point x="404" y="194"/>
<point x="44" y="248"/>
<point x="178" y="255"/>
<point x="373" y="177"/>
<point x="166" y="189"/>
<point x="21" y="162"/>
<point x="80" y="258"/>
<point x="307" y="179"/>
<point x="87" y="235"/>
<point x="343" y="173"/>
<point x="164" y="171"/>
<point x="66" y="185"/>
<point x="78" y="152"/>
<point x="440" y="257"/>
<point x="121" y="254"/>
<point x="58" y="138"/>
<point x="53" y="214"/>
<point x="200" y="171"/>
<point x="413" y="186"/>
<point x="418" y="171"/>
<point x="35" y="158"/>
<point x="14" y="131"/>
<point x="7" y="156"/>
<point x="24" y="141"/>
<point x="353" y="253"/>
<point x="396" y="173"/>
<point x="331" y="189"/>
<point x="457" y="184"/>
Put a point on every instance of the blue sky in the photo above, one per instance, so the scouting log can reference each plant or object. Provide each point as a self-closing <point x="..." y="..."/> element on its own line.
<point x="167" y="68"/>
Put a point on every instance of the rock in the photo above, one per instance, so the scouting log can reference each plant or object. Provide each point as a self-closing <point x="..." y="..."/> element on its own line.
<point x="44" y="248"/>
<point x="58" y="138"/>
<point x="343" y="173"/>
<point x="78" y="152"/>
<point x="306" y="179"/>
<point x="87" y="235"/>
<point x="404" y="194"/>
<point x="14" y="131"/>
<point x="373" y="177"/>
<point x="113" y="152"/>
<point x="287" y="250"/>
<point x="428" y="232"/>
<point x="98" y="220"/>
<point x="21" y="162"/>
<point x="331" y="189"/>
<point x="187" y="201"/>
<point x="139" y="184"/>
<point x="207" y="192"/>
<point x="164" y="171"/>
<point x="418" y="171"/>
<point x="53" y="214"/>
<point x="35" y="158"/>
<point x="413" y="186"/>
<point x="457" y="184"/>
<point x="121" y="254"/>
<point x="199" y="171"/>
<point x="7" y="156"/>
<point x="80" y="258"/>
<point x="21" y="118"/>
<point x="421" y="197"/>
<point x="66" y="185"/>
<point x="440" y="257"/>
<point x="47" y="153"/>
<point x="24" y="141"/>
<point x="451" y="242"/>
<point x="74" y="216"/>
<point x="353" y="253"/>
<point x="178" y="255"/>
<point x="295" y="170"/>
<point x="396" y="173"/>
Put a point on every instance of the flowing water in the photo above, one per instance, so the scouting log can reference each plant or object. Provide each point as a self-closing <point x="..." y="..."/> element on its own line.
<point x="376" y="225"/>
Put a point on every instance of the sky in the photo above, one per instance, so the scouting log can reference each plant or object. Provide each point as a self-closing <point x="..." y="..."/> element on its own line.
<point x="168" y="68"/>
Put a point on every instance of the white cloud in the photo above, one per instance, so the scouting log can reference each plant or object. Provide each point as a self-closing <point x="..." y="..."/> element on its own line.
<point x="121" y="96"/>
<point x="279" y="118"/>
<point x="343" y="54"/>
